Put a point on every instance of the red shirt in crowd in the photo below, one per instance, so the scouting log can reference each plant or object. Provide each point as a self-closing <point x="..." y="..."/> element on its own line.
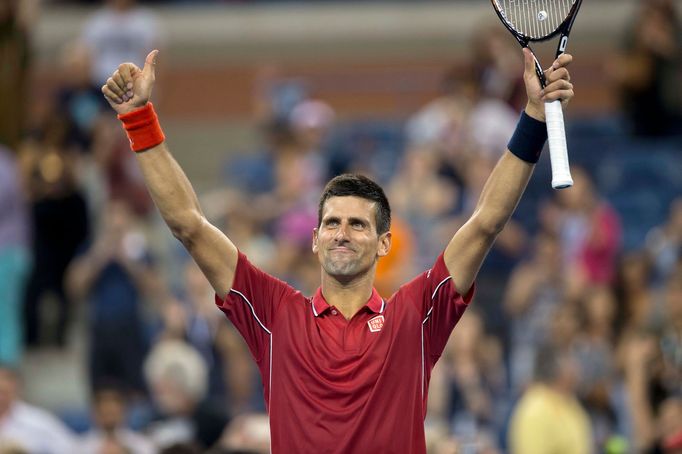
<point x="333" y="385"/>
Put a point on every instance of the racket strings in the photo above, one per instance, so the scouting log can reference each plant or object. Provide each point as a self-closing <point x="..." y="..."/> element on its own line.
<point x="535" y="19"/>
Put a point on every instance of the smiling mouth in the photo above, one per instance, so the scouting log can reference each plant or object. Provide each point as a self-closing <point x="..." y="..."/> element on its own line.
<point x="342" y="249"/>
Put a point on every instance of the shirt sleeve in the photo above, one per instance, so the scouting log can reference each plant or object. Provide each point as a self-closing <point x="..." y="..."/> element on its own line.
<point x="252" y="304"/>
<point x="440" y="305"/>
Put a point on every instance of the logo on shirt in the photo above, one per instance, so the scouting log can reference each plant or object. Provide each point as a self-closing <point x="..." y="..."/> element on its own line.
<point x="375" y="324"/>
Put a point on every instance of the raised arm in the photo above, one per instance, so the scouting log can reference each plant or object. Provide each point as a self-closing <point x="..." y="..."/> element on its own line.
<point x="505" y="185"/>
<point x="129" y="90"/>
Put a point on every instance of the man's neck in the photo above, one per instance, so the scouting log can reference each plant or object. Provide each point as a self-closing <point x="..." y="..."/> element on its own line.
<point x="348" y="297"/>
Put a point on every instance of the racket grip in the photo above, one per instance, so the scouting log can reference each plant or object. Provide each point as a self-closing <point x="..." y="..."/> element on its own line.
<point x="558" y="152"/>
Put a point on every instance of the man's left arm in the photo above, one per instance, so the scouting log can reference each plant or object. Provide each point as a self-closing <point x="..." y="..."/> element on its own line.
<point x="468" y="248"/>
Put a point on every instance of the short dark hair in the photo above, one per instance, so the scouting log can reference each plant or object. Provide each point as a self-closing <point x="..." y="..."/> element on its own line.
<point x="357" y="185"/>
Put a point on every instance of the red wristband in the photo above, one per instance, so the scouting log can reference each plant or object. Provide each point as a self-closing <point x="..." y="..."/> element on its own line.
<point x="142" y="127"/>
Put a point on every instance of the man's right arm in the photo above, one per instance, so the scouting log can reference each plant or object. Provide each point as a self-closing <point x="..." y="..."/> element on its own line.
<point x="175" y="198"/>
<point x="128" y="90"/>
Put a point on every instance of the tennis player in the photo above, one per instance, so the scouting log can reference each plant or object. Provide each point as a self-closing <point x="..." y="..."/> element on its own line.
<point x="344" y="371"/>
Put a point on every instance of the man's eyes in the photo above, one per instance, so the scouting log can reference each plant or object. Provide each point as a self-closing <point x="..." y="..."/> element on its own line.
<point x="358" y="225"/>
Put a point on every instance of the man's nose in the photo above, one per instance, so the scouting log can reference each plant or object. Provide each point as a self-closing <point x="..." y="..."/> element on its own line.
<point x="342" y="232"/>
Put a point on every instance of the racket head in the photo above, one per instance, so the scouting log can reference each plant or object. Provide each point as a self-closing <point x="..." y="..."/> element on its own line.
<point x="535" y="20"/>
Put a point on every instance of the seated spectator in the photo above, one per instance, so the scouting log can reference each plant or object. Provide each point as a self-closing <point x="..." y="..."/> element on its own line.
<point x="113" y="276"/>
<point x="27" y="427"/>
<point x="590" y="232"/>
<point x="78" y="99"/>
<point x="59" y="223"/>
<point x="108" y="412"/>
<point x="13" y="258"/>
<point x="647" y="71"/>
<point x="656" y="420"/>
<point x="594" y="350"/>
<point x="178" y="379"/>
<point x="549" y="418"/>
<point x="535" y="290"/>
<point x="476" y="382"/>
<point x="119" y="32"/>
<point x="664" y="242"/>
<point x="670" y="330"/>
<point x="194" y="319"/>
<point x="634" y="294"/>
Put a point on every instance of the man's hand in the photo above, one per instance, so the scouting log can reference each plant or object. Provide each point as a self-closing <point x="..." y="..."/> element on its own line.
<point x="559" y="84"/>
<point x="130" y="87"/>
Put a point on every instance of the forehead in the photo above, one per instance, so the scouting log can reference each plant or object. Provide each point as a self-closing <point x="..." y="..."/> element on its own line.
<point x="349" y="206"/>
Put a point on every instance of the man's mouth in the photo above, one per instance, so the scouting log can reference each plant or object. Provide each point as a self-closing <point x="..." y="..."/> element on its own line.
<point x="342" y="249"/>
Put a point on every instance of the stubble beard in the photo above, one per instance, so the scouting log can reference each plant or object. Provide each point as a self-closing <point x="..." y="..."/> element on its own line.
<point x="341" y="268"/>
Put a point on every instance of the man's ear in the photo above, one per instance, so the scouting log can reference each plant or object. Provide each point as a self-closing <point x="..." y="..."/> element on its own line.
<point x="384" y="244"/>
<point x="315" y="248"/>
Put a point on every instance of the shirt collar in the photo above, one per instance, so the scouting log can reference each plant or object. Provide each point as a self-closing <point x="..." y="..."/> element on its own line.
<point x="375" y="303"/>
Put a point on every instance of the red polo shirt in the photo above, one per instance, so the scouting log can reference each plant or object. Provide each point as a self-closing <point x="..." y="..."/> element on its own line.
<point x="345" y="386"/>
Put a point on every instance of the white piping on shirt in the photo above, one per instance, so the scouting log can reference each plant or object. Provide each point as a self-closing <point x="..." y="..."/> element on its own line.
<point x="428" y="314"/>
<point x="253" y="312"/>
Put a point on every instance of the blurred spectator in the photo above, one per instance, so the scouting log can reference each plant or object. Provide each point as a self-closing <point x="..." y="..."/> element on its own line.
<point x="310" y="122"/>
<point x="13" y="257"/>
<point x="590" y="233"/>
<point x="657" y="422"/>
<point x="439" y="124"/>
<point x="178" y="378"/>
<point x="497" y="68"/>
<point x="594" y="350"/>
<point x="116" y="168"/>
<point x="119" y="32"/>
<point x="649" y="68"/>
<point x="78" y="98"/>
<point x="26" y="426"/>
<point x="426" y="200"/>
<point x="109" y="411"/>
<point x="14" y="69"/>
<point x="232" y="376"/>
<point x="495" y="90"/>
<point x="60" y="223"/>
<point x="113" y="275"/>
<point x="664" y="242"/>
<point x="535" y="290"/>
<point x="633" y="292"/>
<point x="475" y="384"/>
<point x="549" y="418"/>
<point x="670" y="330"/>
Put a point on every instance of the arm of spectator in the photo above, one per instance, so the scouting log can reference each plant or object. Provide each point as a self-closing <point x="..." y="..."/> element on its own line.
<point x="84" y="269"/>
<point x="523" y="284"/>
<point x="639" y="352"/>
<point x="144" y="274"/>
<point x="507" y="182"/>
<point x="238" y="370"/>
<point x="127" y="90"/>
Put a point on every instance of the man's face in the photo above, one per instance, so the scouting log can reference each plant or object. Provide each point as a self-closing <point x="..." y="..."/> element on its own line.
<point x="346" y="242"/>
<point x="109" y="409"/>
<point x="8" y="390"/>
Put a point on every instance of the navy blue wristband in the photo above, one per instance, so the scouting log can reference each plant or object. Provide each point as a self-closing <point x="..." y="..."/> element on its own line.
<point x="528" y="139"/>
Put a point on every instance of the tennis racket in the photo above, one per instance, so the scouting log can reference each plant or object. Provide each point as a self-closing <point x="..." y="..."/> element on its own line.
<point x="540" y="20"/>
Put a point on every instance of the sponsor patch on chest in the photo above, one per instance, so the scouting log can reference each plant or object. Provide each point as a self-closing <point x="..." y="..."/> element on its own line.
<point x="376" y="323"/>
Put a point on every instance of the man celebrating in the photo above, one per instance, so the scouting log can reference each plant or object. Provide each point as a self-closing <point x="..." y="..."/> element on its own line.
<point x="344" y="371"/>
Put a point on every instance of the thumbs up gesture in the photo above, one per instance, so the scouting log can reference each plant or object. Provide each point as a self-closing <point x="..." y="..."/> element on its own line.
<point x="130" y="87"/>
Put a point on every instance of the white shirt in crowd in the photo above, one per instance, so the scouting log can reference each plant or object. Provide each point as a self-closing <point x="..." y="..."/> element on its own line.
<point x="135" y="443"/>
<point x="114" y="37"/>
<point x="36" y="431"/>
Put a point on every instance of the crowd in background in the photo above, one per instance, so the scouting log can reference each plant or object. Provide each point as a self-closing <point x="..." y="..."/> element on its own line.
<point x="573" y="343"/>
